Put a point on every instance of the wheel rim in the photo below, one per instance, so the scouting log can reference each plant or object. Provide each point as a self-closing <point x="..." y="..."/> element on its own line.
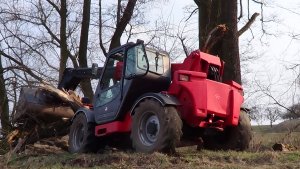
<point x="78" y="136"/>
<point x="149" y="128"/>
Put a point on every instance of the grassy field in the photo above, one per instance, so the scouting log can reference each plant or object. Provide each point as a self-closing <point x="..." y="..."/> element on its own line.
<point x="260" y="155"/>
<point x="187" y="157"/>
<point x="265" y="136"/>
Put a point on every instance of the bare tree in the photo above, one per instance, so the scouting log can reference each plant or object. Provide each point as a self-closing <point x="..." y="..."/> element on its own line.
<point x="4" y="107"/>
<point x="293" y="112"/>
<point x="272" y="114"/>
<point x="256" y="114"/>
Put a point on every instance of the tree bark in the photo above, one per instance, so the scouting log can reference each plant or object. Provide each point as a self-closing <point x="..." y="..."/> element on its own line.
<point x="209" y="14"/>
<point x="63" y="38"/>
<point x="4" y="109"/>
<point x="119" y="7"/>
<point x="230" y="45"/>
<point x="84" y="37"/>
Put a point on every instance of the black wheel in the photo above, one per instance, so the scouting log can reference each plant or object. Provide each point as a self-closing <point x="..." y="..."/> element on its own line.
<point x="82" y="138"/>
<point x="155" y="128"/>
<point x="232" y="138"/>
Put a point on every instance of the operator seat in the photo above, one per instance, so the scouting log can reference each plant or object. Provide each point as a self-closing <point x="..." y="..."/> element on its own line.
<point x="118" y="71"/>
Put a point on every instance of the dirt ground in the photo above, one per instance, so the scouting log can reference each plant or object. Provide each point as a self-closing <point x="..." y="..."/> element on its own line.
<point x="187" y="157"/>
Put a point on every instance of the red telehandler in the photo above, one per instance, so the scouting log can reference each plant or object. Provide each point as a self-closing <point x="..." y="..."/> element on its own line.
<point x="158" y="104"/>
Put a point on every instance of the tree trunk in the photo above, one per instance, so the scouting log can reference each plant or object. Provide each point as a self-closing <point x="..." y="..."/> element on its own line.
<point x="84" y="37"/>
<point x="271" y="123"/>
<point x="46" y="104"/>
<point x="211" y="14"/>
<point x="121" y="25"/>
<point x="203" y="20"/>
<point x="63" y="38"/>
<point x="230" y="45"/>
<point x="4" y="109"/>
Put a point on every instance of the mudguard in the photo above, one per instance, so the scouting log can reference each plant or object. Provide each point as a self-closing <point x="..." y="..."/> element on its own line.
<point x="88" y="114"/>
<point x="163" y="99"/>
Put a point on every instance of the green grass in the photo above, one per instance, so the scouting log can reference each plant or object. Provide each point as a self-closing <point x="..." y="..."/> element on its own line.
<point x="284" y="126"/>
<point x="260" y="155"/>
<point x="266" y="140"/>
<point x="262" y="128"/>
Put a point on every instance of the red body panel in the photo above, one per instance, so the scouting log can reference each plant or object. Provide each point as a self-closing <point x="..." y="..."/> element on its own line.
<point x="114" y="127"/>
<point x="198" y="61"/>
<point x="204" y="99"/>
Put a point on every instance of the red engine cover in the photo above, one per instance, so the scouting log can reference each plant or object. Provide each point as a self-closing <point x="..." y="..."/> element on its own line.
<point x="202" y="98"/>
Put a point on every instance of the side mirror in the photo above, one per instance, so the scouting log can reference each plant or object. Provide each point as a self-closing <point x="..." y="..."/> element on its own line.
<point x="94" y="69"/>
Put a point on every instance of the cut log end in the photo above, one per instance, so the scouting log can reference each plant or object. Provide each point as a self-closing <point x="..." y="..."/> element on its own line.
<point x="283" y="147"/>
<point x="47" y="104"/>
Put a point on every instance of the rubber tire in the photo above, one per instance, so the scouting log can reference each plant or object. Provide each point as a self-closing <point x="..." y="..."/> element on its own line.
<point x="90" y="142"/>
<point x="233" y="138"/>
<point x="170" y="130"/>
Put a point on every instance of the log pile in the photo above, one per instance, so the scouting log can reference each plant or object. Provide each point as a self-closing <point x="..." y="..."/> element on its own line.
<point x="46" y="103"/>
<point x="42" y="112"/>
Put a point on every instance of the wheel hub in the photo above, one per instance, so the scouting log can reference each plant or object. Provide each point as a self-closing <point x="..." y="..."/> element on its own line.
<point x="152" y="128"/>
<point x="149" y="129"/>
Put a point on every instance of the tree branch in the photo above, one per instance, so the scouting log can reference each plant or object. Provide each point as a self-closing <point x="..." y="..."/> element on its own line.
<point x="100" y="29"/>
<point x="119" y="7"/>
<point x="213" y="37"/>
<point x="248" y="24"/>
<point x="54" y="6"/>
<point x="183" y="45"/>
<point x="129" y="33"/>
<point x="192" y="13"/>
<point x="115" y="40"/>
<point x="43" y="20"/>
<point x="25" y="68"/>
<point x="241" y="10"/>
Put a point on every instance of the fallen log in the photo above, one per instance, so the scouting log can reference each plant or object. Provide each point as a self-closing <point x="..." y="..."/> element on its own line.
<point x="43" y="112"/>
<point x="283" y="147"/>
<point x="46" y="104"/>
<point x="69" y="97"/>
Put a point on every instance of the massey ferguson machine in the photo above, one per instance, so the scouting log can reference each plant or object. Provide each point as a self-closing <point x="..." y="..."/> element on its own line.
<point x="158" y="105"/>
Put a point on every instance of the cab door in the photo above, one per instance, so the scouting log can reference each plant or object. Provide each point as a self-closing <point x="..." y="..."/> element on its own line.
<point x="112" y="88"/>
<point x="108" y="94"/>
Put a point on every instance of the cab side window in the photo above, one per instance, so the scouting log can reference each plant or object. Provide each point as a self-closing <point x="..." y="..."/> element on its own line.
<point x="109" y="84"/>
